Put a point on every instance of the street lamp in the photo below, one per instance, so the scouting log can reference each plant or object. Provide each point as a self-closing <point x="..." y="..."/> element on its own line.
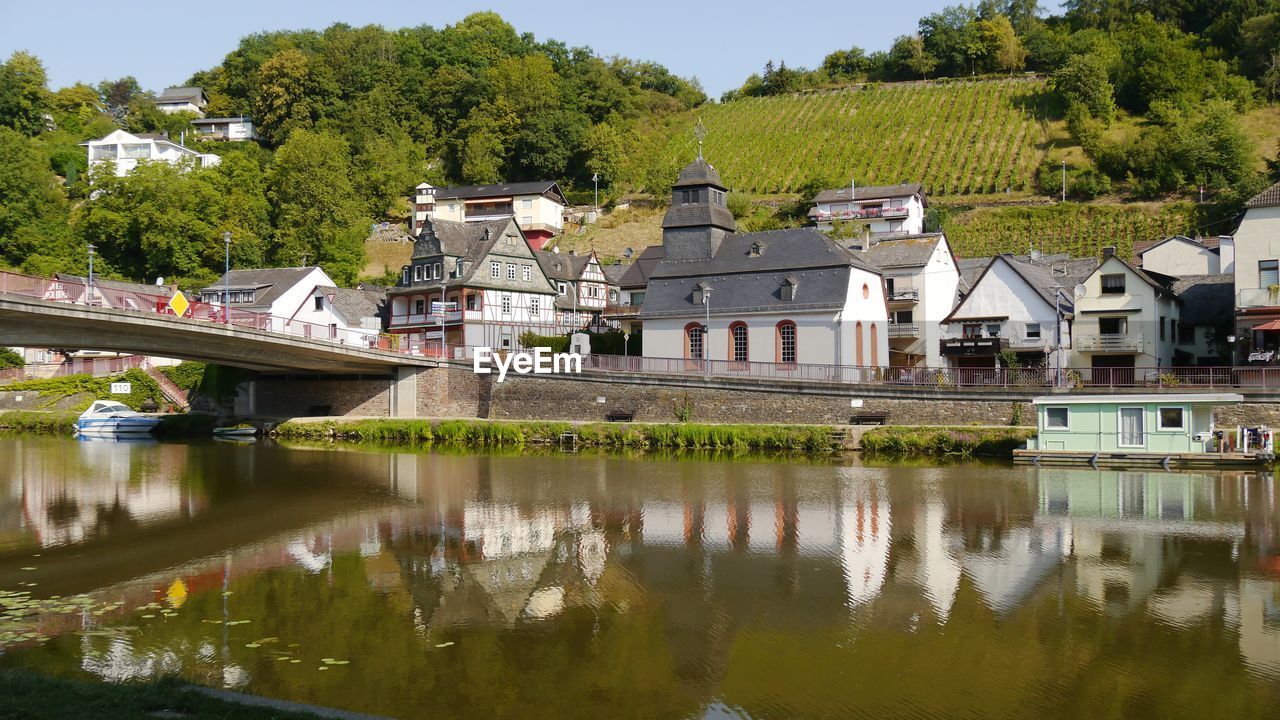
<point x="595" y="178"/>
<point x="706" y="329"/>
<point x="226" y="279"/>
<point x="88" y="298"/>
<point x="626" y="336"/>
<point x="1064" y="181"/>
<point x="444" y="284"/>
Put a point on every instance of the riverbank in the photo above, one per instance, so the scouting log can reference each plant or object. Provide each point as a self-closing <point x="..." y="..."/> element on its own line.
<point x="61" y="422"/>
<point x="493" y="433"/>
<point x="904" y="441"/>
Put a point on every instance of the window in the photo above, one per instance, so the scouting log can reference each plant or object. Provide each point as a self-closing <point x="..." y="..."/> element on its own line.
<point x="971" y="330"/>
<point x="104" y="152"/>
<point x="495" y="269"/>
<point x="319" y="302"/>
<point x="993" y="330"/>
<point x="506" y="304"/>
<point x="1171" y="418"/>
<point x="436" y="271"/>
<point x="526" y="273"/>
<point x="786" y="342"/>
<point x="137" y="151"/>
<point x="534" y="307"/>
<point x="788" y="292"/>
<point x="1268" y="273"/>
<point x="511" y="271"/>
<point x="417" y="273"/>
<point x="903" y="317"/>
<point x="419" y="306"/>
<point x="1113" y="325"/>
<point x="738" y="342"/>
<point x="1186" y="334"/>
<point x="404" y="276"/>
<point x="613" y="296"/>
<point x="526" y="203"/>
<point x="1056" y="418"/>
<point x="1033" y="331"/>
<point x="1162" y="327"/>
<point x="561" y="287"/>
<point x="686" y="197"/>
<point x="473" y="302"/>
<point x="526" y="220"/>
<point x="462" y="269"/>
<point x="693" y="345"/>
<point x="1113" y="284"/>
<point x="888" y="286"/>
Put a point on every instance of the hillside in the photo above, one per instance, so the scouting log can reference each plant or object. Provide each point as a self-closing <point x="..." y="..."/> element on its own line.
<point x="959" y="138"/>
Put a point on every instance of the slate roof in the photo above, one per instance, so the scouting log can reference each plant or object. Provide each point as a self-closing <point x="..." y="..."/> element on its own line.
<point x="355" y="305"/>
<point x="466" y="240"/>
<point x="742" y="282"/>
<point x="276" y="280"/>
<point x="699" y="215"/>
<point x="637" y="273"/>
<point x="1267" y="198"/>
<point x="1206" y="299"/>
<point x="872" y="192"/>
<point x="562" y="266"/>
<point x="1141" y="247"/>
<point x="470" y="192"/>
<point x="698" y="173"/>
<point x="906" y="251"/>
<point x="614" y="273"/>
<point x="193" y="95"/>
<point x="123" y="285"/>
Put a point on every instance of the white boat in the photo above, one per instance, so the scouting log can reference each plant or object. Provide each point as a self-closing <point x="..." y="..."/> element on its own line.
<point x="108" y="417"/>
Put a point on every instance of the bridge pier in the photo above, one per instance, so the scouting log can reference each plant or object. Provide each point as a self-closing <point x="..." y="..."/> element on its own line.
<point x="404" y="392"/>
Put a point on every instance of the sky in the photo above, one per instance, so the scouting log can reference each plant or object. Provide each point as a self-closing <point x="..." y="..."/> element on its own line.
<point x="720" y="43"/>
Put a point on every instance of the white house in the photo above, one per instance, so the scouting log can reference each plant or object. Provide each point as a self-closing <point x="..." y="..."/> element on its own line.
<point x="277" y="292"/>
<point x="126" y="150"/>
<point x="582" y="289"/>
<point x="922" y="282"/>
<point x="1124" y="318"/>
<point x="182" y="99"/>
<point x="352" y="316"/>
<point x="1014" y="304"/>
<point x="225" y="128"/>
<point x="487" y="273"/>
<point x="1179" y="255"/>
<point x="1257" y="279"/>
<point x="782" y="296"/>
<point x="537" y="206"/>
<point x="877" y="209"/>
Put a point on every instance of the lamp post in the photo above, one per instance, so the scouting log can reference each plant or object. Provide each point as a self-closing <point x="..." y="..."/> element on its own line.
<point x="88" y="298"/>
<point x="226" y="279"/>
<point x="626" y="337"/>
<point x="595" y="179"/>
<point x="444" y="286"/>
<point x="706" y="330"/>
<point x="1064" y="181"/>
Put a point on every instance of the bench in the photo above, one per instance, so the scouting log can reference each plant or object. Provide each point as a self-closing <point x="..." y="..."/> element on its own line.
<point x="869" y="418"/>
<point x="619" y="416"/>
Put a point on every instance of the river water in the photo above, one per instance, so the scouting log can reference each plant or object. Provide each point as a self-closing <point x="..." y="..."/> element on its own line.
<point x="460" y="585"/>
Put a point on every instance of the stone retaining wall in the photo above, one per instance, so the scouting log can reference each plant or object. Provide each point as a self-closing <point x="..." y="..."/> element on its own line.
<point x="285" y="396"/>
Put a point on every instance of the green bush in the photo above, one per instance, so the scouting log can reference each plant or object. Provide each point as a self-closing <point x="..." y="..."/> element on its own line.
<point x="28" y="421"/>
<point x="557" y="343"/>
<point x="186" y="375"/>
<point x="52" y="390"/>
<point x="10" y="359"/>
<point x="945" y="441"/>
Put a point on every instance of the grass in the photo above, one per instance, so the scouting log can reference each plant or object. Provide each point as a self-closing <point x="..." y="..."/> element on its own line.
<point x="903" y="441"/>
<point x="381" y="256"/>
<point x="482" y="433"/>
<point x="62" y="423"/>
<point x="635" y="228"/>
<point x="28" y="695"/>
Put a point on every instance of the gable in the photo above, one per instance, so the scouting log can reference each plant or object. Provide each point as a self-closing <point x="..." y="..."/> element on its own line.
<point x="1001" y="291"/>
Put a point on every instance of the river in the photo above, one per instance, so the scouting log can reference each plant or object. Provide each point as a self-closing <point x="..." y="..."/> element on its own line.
<point x="495" y="585"/>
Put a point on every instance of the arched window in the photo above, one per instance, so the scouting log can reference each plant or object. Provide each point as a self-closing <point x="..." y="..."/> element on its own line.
<point x="857" y="343"/>
<point x="399" y="306"/>
<point x="738" y="342"/>
<point x="875" y="346"/>
<point x="786" y="345"/>
<point x="693" y="341"/>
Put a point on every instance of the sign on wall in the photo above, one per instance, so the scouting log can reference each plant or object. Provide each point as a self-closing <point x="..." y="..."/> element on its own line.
<point x="121" y="388"/>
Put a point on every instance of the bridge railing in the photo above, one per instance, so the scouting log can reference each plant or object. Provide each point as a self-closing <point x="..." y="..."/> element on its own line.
<point x="105" y="294"/>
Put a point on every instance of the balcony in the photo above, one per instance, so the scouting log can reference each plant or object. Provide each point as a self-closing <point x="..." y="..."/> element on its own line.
<point x="904" y="330"/>
<point x="904" y="295"/>
<point x="1256" y="297"/>
<point x="412" y="320"/>
<point x="872" y="213"/>
<point x="1131" y="343"/>
<point x="971" y="346"/>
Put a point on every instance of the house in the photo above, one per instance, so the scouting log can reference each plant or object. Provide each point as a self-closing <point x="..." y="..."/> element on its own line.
<point x="875" y="210"/>
<point x="1158" y="423"/>
<point x="1204" y="322"/>
<point x="538" y="206"/>
<point x="225" y="128"/>
<point x="782" y="296"/>
<point x="182" y="99"/>
<point x="922" y="281"/>
<point x="1015" y="304"/>
<point x="1179" y="255"/>
<point x="353" y="316"/>
<point x="631" y="288"/>
<point x="126" y="150"/>
<point x="275" y="292"/>
<point x="1257" y="279"/>
<point x="583" y="290"/>
<point x="118" y="294"/>
<point x="1125" y="318"/>
<point x="487" y="272"/>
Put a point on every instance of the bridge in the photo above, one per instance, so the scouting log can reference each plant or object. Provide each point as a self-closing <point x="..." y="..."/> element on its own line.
<point x="40" y="312"/>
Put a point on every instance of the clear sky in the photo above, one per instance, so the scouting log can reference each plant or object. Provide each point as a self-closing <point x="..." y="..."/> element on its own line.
<point x="720" y="43"/>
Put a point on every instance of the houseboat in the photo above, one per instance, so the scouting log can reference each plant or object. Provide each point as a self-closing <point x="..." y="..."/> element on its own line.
<point x="1155" y="430"/>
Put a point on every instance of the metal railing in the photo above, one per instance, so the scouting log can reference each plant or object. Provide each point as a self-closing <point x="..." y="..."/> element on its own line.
<point x="1109" y="343"/>
<point x="901" y="330"/>
<point x="904" y="295"/>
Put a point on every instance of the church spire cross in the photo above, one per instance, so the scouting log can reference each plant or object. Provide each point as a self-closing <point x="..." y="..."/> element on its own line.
<point x="699" y="132"/>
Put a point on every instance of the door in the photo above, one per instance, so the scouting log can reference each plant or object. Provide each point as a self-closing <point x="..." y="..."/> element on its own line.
<point x="1131" y="430"/>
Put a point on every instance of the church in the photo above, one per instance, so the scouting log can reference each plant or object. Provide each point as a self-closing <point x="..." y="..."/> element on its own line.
<point x="781" y="296"/>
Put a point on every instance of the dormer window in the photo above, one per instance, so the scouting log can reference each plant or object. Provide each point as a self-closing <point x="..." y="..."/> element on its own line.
<point x="788" y="290"/>
<point x="757" y="249"/>
<point x="700" y="293"/>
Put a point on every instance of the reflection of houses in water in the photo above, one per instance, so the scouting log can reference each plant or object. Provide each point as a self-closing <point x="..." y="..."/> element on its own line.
<point x="937" y="570"/>
<point x="1007" y="565"/>
<point x="1259" y="623"/>
<point x="864" y="534"/>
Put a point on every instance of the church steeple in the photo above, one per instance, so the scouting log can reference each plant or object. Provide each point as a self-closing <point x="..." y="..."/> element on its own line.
<point x="698" y="218"/>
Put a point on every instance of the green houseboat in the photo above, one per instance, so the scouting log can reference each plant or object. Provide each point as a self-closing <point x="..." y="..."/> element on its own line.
<point x="1168" y="430"/>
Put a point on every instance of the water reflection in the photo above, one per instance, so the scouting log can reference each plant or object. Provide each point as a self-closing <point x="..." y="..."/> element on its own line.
<point x="580" y="586"/>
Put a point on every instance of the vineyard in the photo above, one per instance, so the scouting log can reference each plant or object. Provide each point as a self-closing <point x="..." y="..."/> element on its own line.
<point x="1081" y="230"/>
<point x="958" y="138"/>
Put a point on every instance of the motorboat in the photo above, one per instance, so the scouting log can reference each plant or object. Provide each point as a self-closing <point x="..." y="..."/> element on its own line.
<point x="235" y="431"/>
<point x="108" y="417"/>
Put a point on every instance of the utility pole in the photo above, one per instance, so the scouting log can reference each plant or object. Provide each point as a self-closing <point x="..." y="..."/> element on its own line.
<point x="706" y="330"/>
<point x="595" y="179"/>
<point x="88" y="298"/>
<point x="1064" y="181"/>
<point x="444" y="285"/>
<point x="226" y="279"/>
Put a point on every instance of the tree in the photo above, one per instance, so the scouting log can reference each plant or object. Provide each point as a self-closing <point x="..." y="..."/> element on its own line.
<point x="24" y="99"/>
<point x="846" y="64"/>
<point x="10" y="359"/>
<point x="32" y="206"/>
<point x="604" y="150"/>
<point x="284" y="102"/>
<point x="317" y="214"/>
<point x="1002" y="43"/>
<point x="948" y="36"/>
<point x="75" y="107"/>
<point x="919" y="59"/>
<point x="1083" y="80"/>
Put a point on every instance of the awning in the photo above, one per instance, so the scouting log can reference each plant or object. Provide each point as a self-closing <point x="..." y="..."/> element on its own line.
<point x="1272" y="326"/>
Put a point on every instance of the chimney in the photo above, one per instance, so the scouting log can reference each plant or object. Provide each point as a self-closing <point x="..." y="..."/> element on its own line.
<point x="573" y="253"/>
<point x="1108" y="251"/>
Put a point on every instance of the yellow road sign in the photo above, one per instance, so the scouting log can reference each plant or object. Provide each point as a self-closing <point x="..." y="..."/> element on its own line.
<point x="179" y="304"/>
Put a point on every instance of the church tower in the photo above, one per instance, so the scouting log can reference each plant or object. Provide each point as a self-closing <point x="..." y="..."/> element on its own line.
<point x="698" y="218"/>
